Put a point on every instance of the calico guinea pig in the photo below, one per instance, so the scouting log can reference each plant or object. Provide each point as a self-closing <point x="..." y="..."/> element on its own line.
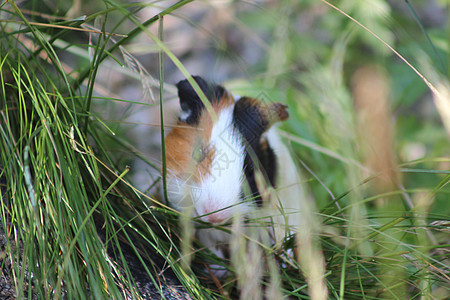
<point x="215" y="163"/>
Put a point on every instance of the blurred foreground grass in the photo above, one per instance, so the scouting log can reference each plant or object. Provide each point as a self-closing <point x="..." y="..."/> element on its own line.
<point x="371" y="138"/>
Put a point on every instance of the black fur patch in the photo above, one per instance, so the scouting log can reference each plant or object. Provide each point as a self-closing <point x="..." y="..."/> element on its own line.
<point x="268" y="165"/>
<point x="249" y="121"/>
<point x="190" y="102"/>
<point x="251" y="124"/>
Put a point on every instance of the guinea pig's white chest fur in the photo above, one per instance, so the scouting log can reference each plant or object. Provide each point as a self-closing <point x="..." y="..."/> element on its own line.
<point x="222" y="187"/>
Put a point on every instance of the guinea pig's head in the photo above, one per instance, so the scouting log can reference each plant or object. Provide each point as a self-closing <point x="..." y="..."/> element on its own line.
<point x="212" y="157"/>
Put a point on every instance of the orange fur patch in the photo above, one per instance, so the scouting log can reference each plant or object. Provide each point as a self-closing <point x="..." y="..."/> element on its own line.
<point x="182" y="140"/>
<point x="226" y="101"/>
<point x="179" y="144"/>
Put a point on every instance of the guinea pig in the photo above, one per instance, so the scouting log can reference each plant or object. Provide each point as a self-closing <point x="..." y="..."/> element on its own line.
<point x="216" y="157"/>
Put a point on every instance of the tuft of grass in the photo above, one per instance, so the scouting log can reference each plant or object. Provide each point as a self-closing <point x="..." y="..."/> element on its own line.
<point x="67" y="209"/>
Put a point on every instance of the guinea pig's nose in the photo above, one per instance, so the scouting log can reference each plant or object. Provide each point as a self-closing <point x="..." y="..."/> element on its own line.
<point x="214" y="216"/>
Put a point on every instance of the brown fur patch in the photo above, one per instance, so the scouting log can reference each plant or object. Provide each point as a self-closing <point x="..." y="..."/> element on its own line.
<point x="264" y="144"/>
<point x="204" y="167"/>
<point x="227" y="100"/>
<point x="273" y="112"/>
<point x="179" y="144"/>
<point x="182" y="140"/>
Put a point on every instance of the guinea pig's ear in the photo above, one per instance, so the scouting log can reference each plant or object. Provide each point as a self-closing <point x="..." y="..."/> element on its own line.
<point x="190" y="102"/>
<point x="252" y="117"/>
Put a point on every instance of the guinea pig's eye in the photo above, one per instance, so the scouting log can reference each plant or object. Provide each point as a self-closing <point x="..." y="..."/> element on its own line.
<point x="199" y="153"/>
